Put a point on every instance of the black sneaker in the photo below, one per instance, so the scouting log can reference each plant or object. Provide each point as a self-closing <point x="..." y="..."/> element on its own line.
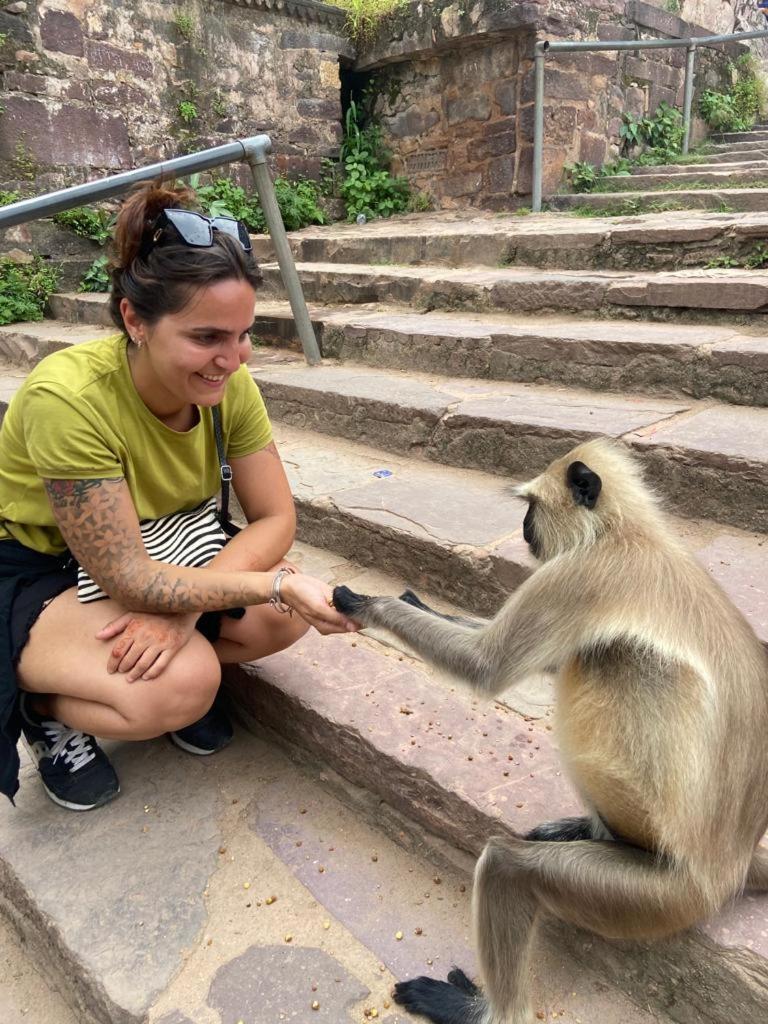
<point x="75" y="771"/>
<point x="211" y="733"/>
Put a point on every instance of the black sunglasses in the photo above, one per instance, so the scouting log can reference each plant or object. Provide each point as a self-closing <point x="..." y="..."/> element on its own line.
<point x="193" y="229"/>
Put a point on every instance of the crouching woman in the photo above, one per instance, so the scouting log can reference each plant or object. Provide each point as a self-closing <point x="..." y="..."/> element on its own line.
<point x="119" y="600"/>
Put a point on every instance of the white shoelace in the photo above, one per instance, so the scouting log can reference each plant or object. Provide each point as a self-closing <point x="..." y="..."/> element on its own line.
<point x="73" y="745"/>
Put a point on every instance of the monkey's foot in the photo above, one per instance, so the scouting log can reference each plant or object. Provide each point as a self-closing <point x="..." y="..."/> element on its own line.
<point x="348" y="602"/>
<point x="452" y="1002"/>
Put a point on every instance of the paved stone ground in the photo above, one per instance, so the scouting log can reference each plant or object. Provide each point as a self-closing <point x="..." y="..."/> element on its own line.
<point x="164" y="896"/>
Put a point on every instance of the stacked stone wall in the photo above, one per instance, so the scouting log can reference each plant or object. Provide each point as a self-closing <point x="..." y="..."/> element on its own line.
<point x="454" y="90"/>
<point x="94" y="87"/>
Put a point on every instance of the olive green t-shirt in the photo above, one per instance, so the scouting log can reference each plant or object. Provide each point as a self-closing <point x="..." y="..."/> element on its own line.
<point x="78" y="416"/>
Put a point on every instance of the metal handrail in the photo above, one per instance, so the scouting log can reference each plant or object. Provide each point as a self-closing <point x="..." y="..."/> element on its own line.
<point x="252" y="150"/>
<point x="544" y="47"/>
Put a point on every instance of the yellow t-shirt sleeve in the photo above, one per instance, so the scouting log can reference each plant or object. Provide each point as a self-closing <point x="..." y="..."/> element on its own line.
<point x="63" y="441"/>
<point x="246" y="423"/>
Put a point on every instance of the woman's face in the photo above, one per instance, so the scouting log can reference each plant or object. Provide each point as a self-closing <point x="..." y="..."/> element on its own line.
<point x="186" y="358"/>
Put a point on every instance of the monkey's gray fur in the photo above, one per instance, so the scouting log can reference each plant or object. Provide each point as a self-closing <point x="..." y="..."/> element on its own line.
<point x="662" y="719"/>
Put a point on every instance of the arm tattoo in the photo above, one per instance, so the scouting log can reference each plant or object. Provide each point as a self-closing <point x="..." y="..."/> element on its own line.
<point x="92" y="520"/>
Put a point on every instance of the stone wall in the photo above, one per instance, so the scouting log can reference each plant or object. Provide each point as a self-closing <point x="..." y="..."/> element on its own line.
<point x="94" y="86"/>
<point x="455" y="89"/>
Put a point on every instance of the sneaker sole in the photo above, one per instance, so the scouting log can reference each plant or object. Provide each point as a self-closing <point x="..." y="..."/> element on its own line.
<point x="190" y="749"/>
<point x="68" y="803"/>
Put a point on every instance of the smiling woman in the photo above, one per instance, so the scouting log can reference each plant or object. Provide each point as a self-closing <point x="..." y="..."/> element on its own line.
<point x="109" y="468"/>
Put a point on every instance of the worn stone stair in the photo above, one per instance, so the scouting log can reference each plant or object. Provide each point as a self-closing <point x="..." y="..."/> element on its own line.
<point x="445" y="379"/>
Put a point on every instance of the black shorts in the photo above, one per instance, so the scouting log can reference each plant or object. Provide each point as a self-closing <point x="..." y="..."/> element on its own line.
<point x="30" y="600"/>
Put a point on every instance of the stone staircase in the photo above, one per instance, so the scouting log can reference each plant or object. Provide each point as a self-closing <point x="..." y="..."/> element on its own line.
<point x="731" y="173"/>
<point x="463" y="353"/>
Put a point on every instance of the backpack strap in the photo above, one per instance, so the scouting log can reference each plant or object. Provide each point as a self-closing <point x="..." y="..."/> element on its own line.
<point x="225" y="470"/>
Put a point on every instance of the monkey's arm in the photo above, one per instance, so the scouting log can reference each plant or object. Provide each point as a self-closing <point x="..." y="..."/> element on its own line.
<point x="534" y="631"/>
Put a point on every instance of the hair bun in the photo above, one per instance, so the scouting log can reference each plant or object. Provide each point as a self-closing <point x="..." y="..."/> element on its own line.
<point x="142" y="207"/>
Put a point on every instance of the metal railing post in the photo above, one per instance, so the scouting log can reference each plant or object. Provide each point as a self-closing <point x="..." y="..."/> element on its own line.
<point x="257" y="161"/>
<point x="690" y="62"/>
<point x="540" y="51"/>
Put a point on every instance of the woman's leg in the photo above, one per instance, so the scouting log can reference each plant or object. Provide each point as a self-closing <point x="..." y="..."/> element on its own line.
<point x="64" y="662"/>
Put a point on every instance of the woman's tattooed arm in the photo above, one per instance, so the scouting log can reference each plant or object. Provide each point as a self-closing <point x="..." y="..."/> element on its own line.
<point x="98" y="522"/>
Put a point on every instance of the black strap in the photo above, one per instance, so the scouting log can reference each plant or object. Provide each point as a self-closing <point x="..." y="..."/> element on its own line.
<point x="225" y="470"/>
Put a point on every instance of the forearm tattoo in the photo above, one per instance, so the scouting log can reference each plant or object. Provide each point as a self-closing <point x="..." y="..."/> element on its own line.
<point x="91" y="517"/>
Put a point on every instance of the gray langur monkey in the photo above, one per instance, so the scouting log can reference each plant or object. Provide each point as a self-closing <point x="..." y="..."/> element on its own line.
<point x="662" y="721"/>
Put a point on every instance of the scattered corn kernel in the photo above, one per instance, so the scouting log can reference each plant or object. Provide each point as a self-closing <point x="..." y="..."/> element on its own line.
<point x="398" y="936"/>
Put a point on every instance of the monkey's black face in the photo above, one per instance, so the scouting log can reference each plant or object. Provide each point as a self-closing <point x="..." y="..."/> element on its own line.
<point x="529" y="532"/>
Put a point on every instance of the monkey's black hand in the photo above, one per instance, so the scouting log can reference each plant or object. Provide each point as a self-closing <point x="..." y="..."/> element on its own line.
<point x="348" y="602"/>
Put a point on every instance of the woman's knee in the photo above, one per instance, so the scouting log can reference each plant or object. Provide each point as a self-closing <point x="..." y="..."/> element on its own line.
<point x="180" y="695"/>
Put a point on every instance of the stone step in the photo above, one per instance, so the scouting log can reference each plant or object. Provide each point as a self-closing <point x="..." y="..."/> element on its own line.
<point x="726" y="200"/>
<point x="755" y="135"/>
<point x="731" y="148"/>
<point x="524" y="290"/>
<point x="693" y="168"/>
<point x="25" y="344"/>
<point x="709" y="460"/>
<point x="735" y="154"/>
<point x="703" y="361"/>
<point x="368" y="865"/>
<point x="458" y="533"/>
<point x="662" y="180"/>
<point x="660" y="240"/>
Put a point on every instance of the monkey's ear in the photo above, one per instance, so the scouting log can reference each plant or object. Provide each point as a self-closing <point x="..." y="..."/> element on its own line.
<point x="584" y="484"/>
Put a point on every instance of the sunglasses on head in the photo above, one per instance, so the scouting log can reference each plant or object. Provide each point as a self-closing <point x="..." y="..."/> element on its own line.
<point x="194" y="229"/>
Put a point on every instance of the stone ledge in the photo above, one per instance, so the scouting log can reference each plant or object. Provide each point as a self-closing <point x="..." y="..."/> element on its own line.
<point x="305" y="10"/>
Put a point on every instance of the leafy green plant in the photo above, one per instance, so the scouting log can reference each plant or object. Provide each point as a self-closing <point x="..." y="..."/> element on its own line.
<point x="660" y="136"/>
<point x="723" y="262"/>
<point x="185" y="25"/>
<point x="368" y="188"/>
<point x="758" y="258"/>
<point x="298" y="202"/>
<point x="25" y="288"/>
<point x="739" y="108"/>
<point x="583" y="176"/>
<point x="23" y="163"/>
<point x="364" y="15"/>
<point x="96" y="278"/>
<point x="87" y="222"/>
<point x="8" y="196"/>
<point x="419" y="202"/>
<point x="187" y="111"/>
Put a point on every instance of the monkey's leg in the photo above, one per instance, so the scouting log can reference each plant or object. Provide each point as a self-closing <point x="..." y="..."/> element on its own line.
<point x="609" y="888"/>
<point x="757" y="876"/>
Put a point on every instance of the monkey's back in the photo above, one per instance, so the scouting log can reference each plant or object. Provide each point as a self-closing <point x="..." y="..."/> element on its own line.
<point x="663" y="712"/>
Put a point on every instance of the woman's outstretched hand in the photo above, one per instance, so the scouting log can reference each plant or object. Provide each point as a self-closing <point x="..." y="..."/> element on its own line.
<point x="148" y="642"/>
<point x="312" y="600"/>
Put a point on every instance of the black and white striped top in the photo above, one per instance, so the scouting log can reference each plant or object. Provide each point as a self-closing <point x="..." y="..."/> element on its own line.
<point x="190" y="539"/>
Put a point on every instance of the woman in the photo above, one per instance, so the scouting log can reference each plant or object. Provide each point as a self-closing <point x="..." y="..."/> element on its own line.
<point x="108" y="453"/>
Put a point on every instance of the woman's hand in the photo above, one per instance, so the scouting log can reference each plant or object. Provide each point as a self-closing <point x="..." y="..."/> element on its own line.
<point x="148" y="642"/>
<point x="312" y="598"/>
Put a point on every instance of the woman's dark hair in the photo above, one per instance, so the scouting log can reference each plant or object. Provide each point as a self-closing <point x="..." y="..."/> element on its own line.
<point x="165" y="279"/>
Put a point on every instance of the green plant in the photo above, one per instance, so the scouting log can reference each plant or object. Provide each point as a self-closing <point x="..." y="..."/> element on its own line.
<point x="23" y="163"/>
<point x="187" y="111"/>
<point x="758" y="258"/>
<point x="368" y="188"/>
<point x="723" y="262"/>
<point x="583" y="176"/>
<point x="96" y="278"/>
<point x="8" y="196"/>
<point x="739" y="108"/>
<point x="87" y="222"/>
<point x="185" y="25"/>
<point x="419" y="202"/>
<point x="660" y="136"/>
<point x="25" y="288"/>
<point x="3" y="38"/>
<point x="298" y="203"/>
<point x="673" y="6"/>
<point x="523" y="211"/>
<point x="364" y="15"/>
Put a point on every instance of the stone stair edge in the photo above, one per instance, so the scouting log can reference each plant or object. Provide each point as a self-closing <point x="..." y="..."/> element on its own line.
<point x="385" y="734"/>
